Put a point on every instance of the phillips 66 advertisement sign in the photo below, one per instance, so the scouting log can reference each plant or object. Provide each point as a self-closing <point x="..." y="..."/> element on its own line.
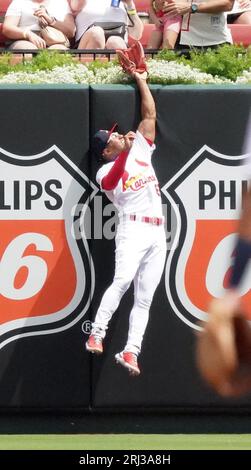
<point x="206" y="199"/>
<point x="45" y="270"/>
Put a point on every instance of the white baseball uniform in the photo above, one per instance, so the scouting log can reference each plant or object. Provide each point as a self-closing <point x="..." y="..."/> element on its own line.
<point x="204" y="29"/>
<point x="140" y="241"/>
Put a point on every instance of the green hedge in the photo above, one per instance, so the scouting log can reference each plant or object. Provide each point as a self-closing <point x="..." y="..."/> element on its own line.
<point x="227" y="63"/>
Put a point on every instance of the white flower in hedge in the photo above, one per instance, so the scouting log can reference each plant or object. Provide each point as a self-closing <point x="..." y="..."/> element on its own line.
<point x="112" y="74"/>
<point x="160" y="71"/>
<point x="78" y="73"/>
<point x="245" y="78"/>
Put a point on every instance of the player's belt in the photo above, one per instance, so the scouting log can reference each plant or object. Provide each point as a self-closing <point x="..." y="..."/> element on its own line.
<point x="147" y="220"/>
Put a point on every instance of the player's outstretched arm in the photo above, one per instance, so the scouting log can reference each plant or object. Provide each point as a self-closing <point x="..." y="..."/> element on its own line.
<point x="148" y="109"/>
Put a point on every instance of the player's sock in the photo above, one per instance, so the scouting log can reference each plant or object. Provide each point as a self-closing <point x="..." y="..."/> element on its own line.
<point x="242" y="256"/>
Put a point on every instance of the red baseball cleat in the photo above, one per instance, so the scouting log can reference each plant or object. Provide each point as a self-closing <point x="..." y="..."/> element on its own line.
<point x="129" y="361"/>
<point x="94" y="344"/>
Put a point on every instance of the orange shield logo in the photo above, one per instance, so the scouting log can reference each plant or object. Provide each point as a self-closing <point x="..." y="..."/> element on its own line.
<point x="204" y="199"/>
<point x="45" y="270"/>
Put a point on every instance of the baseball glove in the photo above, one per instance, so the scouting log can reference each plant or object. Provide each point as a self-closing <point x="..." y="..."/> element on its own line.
<point x="223" y="352"/>
<point x="133" y="59"/>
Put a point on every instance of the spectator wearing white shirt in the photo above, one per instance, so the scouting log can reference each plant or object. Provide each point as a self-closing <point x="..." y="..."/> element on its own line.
<point x="204" y="21"/>
<point x="89" y="36"/>
<point x="25" y="18"/>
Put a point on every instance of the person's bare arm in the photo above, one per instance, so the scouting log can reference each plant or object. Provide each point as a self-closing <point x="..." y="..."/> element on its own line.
<point x="12" y="31"/>
<point x="77" y="5"/>
<point x="180" y="7"/>
<point x="67" y="26"/>
<point x="148" y="109"/>
<point x="153" y="17"/>
<point x="135" y="30"/>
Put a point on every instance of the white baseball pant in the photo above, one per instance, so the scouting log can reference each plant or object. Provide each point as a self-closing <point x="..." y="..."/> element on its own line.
<point x="140" y="256"/>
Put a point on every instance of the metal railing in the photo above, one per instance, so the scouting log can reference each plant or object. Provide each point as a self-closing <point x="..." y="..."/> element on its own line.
<point x="92" y="54"/>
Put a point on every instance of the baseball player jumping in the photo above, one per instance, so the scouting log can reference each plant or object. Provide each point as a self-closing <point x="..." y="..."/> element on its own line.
<point x="128" y="179"/>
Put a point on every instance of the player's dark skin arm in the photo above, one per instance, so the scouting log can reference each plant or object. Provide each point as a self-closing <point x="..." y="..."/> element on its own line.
<point x="245" y="222"/>
<point x="148" y="109"/>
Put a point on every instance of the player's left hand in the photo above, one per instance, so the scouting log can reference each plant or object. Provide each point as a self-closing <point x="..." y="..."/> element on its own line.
<point x="132" y="60"/>
<point x="140" y="76"/>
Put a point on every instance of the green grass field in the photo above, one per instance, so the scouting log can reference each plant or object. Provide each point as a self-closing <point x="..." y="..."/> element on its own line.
<point x="126" y="442"/>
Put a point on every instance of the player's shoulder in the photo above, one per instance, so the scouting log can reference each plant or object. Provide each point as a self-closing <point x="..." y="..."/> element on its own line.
<point x="144" y="141"/>
<point x="103" y="170"/>
<point x="141" y="136"/>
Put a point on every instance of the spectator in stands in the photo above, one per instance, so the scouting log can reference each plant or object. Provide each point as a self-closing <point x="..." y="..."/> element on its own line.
<point x="24" y="20"/>
<point x="240" y="13"/>
<point x="167" y="27"/>
<point x="204" y="22"/>
<point x="91" y="36"/>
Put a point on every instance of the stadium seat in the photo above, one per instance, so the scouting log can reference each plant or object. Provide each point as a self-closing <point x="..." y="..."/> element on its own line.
<point x="241" y="34"/>
<point x="148" y="28"/>
<point x="3" y="7"/>
<point x="142" y="5"/>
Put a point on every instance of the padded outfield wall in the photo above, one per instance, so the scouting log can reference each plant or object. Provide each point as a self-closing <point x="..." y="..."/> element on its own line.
<point x="57" y="244"/>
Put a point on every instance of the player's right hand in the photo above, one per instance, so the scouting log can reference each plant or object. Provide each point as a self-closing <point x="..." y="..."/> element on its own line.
<point x="128" y="139"/>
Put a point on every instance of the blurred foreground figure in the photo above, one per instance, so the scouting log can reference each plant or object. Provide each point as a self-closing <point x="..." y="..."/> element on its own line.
<point x="223" y="349"/>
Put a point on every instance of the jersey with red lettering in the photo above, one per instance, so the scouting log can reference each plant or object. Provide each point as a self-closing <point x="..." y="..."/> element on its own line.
<point x="138" y="190"/>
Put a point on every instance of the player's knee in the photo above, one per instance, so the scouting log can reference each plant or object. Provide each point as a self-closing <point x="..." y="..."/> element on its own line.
<point x="144" y="301"/>
<point x="122" y="284"/>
